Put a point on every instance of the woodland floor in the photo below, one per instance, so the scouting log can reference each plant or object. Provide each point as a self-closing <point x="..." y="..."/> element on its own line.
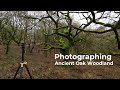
<point x="42" y="67"/>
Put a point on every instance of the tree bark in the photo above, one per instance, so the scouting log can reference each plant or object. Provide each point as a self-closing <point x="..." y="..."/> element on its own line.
<point x="117" y="37"/>
<point x="7" y="48"/>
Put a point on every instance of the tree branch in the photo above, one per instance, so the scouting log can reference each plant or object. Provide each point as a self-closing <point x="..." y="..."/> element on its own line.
<point x="56" y="24"/>
<point x="99" y="32"/>
<point x="101" y="23"/>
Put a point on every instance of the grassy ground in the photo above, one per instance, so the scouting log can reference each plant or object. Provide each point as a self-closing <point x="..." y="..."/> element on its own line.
<point x="42" y="67"/>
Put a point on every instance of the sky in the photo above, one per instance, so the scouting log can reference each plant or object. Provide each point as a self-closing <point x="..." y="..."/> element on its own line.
<point x="76" y="17"/>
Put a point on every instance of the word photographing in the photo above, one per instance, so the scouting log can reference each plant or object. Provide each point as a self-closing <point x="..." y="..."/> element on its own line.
<point x="83" y="57"/>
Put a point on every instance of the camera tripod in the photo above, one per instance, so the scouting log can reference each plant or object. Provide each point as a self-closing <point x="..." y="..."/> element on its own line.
<point x="22" y="64"/>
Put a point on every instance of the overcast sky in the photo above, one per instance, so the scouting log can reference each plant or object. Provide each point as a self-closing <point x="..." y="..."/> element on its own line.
<point x="77" y="17"/>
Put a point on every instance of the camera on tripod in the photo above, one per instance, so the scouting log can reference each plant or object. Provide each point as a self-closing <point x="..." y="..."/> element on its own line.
<point x="22" y="64"/>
